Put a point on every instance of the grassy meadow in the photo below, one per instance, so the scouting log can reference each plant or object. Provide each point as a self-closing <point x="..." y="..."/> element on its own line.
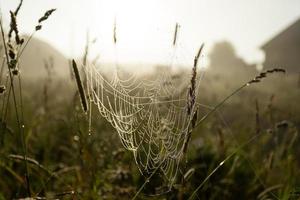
<point x="247" y="147"/>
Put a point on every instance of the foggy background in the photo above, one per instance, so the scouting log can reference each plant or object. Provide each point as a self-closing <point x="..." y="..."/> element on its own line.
<point x="145" y="28"/>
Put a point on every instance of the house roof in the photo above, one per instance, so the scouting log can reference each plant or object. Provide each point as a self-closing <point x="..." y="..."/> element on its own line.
<point x="290" y="34"/>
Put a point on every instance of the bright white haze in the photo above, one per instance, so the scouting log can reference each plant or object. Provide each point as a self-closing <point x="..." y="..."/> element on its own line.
<point x="145" y="27"/>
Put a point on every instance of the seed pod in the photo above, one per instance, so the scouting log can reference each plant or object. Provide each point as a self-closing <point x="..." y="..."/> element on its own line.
<point x="2" y="89"/>
<point x="38" y="27"/>
<point x="15" y="72"/>
<point x="46" y="15"/>
<point x="263" y="74"/>
<point x="12" y="63"/>
<point x="279" y="70"/>
<point x="11" y="54"/>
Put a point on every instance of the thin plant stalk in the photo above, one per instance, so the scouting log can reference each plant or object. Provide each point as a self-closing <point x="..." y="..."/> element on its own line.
<point x="16" y="110"/>
<point x="221" y="164"/>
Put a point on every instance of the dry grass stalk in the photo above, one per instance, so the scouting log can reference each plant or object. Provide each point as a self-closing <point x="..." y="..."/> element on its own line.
<point x="46" y="15"/>
<point x="263" y="75"/>
<point x="177" y="26"/>
<point x="71" y="70"/>
<point x="12" y="88"/>
<point x="257" y="79"/>
<point x="192" y="89"/>
<point x="191" y="111"/>
<point x="18" y="8"/>
<point x="115" y="32"/>
<point x="192" y="115"/>
<point x="13" y="25"/>
<point x="80" y="87"/>
<point x="44" y="18"/>
<point x="14" y="28"/>
<point x="196" y="59"/>
<point x="11" y="48"/>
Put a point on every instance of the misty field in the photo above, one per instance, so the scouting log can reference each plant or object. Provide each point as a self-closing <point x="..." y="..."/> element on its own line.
<point x="75" y="128"/>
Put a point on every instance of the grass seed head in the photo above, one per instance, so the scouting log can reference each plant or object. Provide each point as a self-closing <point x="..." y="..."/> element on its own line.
<point x="44" y="18"/>
<point x="2" y="89"/>
<point x="15" y="72"/>
<point x="115" y="32"/>
<point x="12" y="63"/>
<point x="80" y="87"/>
<point x="46" y="15"/>
<point x="192" y="89"/>
<point x="14" y="28"/>
<point x="11" y="54"/>
<point x="177" y="26"/>
<point x="263" y="75"/>
<point x="38" y="27"/>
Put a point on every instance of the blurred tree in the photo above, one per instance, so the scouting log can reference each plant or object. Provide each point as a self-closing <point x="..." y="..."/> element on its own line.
<point x="223" y="59"/>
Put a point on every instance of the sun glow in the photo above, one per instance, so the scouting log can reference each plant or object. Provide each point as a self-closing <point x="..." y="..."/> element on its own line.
<point x="145" y="28"/>
<point x="143" y="31"/>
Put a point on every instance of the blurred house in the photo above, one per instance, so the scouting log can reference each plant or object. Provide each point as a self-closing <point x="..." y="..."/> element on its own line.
<point x="284" y="49"/>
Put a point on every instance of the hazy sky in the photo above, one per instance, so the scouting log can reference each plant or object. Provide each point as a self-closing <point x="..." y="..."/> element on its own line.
<point x="145" y="27"/>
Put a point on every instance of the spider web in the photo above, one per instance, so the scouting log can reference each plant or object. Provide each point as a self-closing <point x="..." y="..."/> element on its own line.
<point x="149" y="115"/>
